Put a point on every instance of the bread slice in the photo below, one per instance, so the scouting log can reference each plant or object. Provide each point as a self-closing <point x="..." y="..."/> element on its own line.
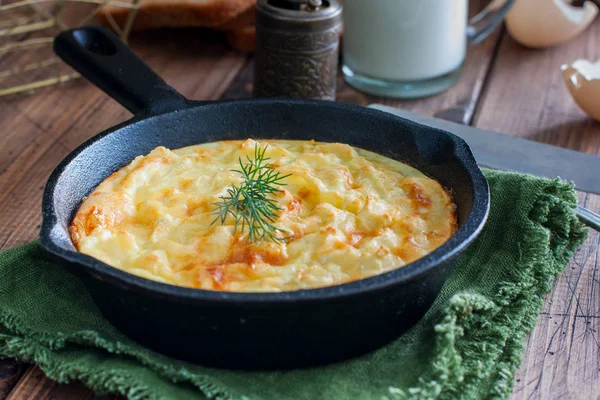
<point x="242" y="39"/>
<point x="243" y="20"/>
<point x="183" y="13"/>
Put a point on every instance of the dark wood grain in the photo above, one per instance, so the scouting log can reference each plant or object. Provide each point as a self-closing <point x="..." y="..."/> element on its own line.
<point x="10" y="372"/>
<point x="563" y="352"/>
<point x="457" y="104"/>
<point x="39" y="130"/>
<point x="35" y="385"/>
<point x="526" y="95"/>
<point x="505" y="88"/>
<point x="43" y="128"/>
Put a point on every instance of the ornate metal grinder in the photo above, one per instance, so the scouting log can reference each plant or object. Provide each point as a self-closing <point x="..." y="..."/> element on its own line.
<point x="297" y="44"/>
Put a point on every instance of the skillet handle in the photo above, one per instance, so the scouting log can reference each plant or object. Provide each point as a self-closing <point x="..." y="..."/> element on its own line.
<point x="102" y="58"/>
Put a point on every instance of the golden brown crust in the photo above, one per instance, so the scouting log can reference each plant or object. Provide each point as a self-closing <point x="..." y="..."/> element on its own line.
<point x="243" y="20"/>
<point x="180" y="13"/>
<point x="348" y="214"/>
<point x="242" y="39"/>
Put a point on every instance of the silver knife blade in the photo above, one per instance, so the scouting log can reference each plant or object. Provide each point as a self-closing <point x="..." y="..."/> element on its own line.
<point x="505" y="152"/>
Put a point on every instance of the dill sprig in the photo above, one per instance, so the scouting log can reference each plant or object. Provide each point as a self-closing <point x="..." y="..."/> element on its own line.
<point x="249" y="203"/>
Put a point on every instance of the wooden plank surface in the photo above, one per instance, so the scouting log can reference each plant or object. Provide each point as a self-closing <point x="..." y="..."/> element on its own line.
<point x="505" y="88"/>
<point x="525" y="95"/>
<point x="35" y="385"/>
<point x="10" y="372"/>
<point x="457" y="104"/>
<point x="562" y="360"/>
<point x="39" y="130"/>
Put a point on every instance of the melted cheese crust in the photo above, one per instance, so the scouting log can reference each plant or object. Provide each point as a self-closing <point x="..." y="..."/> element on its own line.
<point x="352" y="214"/>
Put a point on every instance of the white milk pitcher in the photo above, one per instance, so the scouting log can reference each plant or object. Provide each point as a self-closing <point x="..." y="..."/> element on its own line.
<point x="411" y="48"/>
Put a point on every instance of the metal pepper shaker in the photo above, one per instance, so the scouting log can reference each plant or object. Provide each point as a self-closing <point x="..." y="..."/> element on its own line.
<point x="297" y="44"/>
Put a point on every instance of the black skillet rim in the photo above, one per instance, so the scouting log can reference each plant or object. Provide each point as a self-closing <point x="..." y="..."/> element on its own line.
<point x="464" y="236"/>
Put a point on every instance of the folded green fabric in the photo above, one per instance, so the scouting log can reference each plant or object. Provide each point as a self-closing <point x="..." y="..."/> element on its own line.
<point x="467" y="346"/>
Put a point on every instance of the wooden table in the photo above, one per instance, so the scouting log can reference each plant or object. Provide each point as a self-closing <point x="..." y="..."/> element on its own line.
<point x="505" y="88"/>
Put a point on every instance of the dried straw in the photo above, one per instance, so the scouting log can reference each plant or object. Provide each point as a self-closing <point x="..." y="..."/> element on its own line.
<point x="30" y="26"/>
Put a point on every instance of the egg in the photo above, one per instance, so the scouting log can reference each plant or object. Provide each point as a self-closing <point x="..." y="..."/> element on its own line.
<point x="582" y="79"/>
<point x="544" y="23"/>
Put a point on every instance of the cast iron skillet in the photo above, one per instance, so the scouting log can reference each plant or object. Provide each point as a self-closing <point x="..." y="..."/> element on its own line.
<point x="249" y="330"/>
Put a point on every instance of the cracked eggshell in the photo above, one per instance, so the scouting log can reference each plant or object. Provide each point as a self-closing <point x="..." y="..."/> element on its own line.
<point x="583" y="81"/>
<point x="543" y="23"/>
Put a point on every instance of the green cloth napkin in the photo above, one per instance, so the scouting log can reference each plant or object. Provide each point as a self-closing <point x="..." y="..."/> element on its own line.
<point x="468" y="345"/>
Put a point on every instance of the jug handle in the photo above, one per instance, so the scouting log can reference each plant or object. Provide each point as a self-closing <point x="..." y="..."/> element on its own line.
<point x="482" y="24"/>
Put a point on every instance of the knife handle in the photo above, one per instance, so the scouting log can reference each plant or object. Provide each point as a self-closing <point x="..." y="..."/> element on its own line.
<point x="588" y="217"/>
